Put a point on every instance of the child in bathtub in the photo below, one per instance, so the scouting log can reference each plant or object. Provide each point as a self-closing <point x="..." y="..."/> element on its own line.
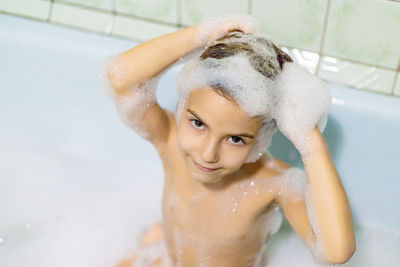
<point x="222" y="189"/>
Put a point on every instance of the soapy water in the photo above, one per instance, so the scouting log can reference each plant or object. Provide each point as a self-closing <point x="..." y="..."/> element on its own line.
<point x="63" y="211"/>
<point x="54" y="220"/>
<point x="375" y="248"/>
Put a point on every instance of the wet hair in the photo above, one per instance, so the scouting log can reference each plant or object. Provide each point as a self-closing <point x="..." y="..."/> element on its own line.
<point x="237" y="42"/>
<point x="233" y="44"/>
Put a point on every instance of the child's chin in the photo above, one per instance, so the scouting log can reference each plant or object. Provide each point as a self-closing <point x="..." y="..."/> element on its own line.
<point x="206" y="179"/>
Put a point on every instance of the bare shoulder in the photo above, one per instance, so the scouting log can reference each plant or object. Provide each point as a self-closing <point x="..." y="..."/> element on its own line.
<point x="281" y="164"/>
<point x="271" y="167"/>
<point x="265" y="168"/>
<point x="159" y="124"/>
<point x="167" y="138"/>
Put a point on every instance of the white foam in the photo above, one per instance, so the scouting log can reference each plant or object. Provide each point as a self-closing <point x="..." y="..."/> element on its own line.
<point x="57" y="213"/>
<point x="264" y="139"/>
<point x="147" y="256"/>
<point x="294" y="182"/>
<point x="315" y="243"/>
<point x="302" y="101"/>
<point x="274" y="220"/>
<point x="375" y="247"/>
<point x="235" y="75"/>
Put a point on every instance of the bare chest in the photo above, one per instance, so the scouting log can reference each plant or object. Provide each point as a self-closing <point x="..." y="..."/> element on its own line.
<point x="208" y="224"/>
<point x="234" y="216"/>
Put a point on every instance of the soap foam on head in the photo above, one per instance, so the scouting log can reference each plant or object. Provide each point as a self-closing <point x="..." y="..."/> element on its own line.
<point x="293" y="97"/>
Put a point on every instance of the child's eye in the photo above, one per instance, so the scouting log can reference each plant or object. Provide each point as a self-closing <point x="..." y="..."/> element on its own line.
<point x="197" y="124"/>
<point x="236" y="140"/>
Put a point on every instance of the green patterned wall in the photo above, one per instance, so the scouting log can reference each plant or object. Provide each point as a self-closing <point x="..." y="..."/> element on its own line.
<point x="354" y="42"/>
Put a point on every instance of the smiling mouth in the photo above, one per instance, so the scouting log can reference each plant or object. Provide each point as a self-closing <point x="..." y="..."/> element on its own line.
<point x="202" y="168"/>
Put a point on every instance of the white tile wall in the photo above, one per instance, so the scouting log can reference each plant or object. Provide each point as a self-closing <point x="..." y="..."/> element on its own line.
<point x="354" y="42"/>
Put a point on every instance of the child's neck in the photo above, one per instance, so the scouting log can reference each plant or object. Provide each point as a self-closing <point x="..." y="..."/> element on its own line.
<point x="244" y="172"/>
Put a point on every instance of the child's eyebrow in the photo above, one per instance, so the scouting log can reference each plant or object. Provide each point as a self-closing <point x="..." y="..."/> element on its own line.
<point x="197" y="116"/>
<point x="241" y="134"/>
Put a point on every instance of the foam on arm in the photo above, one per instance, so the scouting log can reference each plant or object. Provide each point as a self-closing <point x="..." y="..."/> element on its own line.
<point x="295" y="198"/>
<point x="133" y="102"/>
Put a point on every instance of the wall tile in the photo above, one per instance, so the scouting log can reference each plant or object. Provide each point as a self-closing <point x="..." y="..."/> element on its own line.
<point x="82" y="18"/>
<point x="138" y="29"/>
<point x="306" y="59"/>
<point x="160" y="10"/>
<point x="364" y="30"/>
<point x="357" y="75"/>
<point x="101" y="4"/>
<point x="295" y="23"/>
<point x="31" y="8"/>
<point x="193" y="11"/>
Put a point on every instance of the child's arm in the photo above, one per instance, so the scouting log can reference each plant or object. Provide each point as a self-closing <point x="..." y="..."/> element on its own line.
<point x="131" y="73"/>
<point x="323" y="219"/>
<point x="150" y="58"/>
<point x="133" y="68"/>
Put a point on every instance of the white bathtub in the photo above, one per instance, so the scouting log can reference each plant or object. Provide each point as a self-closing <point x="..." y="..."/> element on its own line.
<point x="77" y="188"/>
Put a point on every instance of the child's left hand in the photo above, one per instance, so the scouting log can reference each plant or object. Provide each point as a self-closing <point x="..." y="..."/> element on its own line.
<point x="302" y="102"/>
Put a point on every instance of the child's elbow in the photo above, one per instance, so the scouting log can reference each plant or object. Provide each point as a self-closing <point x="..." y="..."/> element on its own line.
<point x="341" y="254"/>
<point x="115" y="79"/>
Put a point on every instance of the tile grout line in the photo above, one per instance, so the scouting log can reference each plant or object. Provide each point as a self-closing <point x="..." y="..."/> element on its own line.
<point x="179" y="13"/>
<point x="396" y="77"/>
<point x="50" y="11"/>
<point x="113" y="12"/>
<point x="77" y="5"/>
<point x="22" y="16"/>
<point x="321" y="45"/>
<point x="122" y="14"/>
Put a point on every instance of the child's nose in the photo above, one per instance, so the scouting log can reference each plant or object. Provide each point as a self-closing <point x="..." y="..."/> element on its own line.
<point x="209" y="151"/>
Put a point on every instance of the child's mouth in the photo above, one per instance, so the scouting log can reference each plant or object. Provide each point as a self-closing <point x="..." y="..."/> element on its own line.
<point x="203" y="168"/>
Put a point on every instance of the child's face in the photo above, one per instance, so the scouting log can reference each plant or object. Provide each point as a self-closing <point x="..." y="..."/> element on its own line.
<point x="215" y="133"/>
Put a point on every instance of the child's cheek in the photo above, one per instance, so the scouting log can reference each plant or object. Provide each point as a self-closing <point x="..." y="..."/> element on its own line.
<point x="234" y="158"/>
<point x="186" y="140"/>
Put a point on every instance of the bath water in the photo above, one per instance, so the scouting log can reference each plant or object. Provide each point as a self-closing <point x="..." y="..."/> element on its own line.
<point x="58" y="209"/>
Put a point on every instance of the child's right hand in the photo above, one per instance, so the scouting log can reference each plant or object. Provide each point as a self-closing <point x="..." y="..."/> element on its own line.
<point x="212" y="29"/>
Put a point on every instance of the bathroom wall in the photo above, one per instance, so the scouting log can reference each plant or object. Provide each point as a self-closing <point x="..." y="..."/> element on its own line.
<point x="354" y="42"/>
